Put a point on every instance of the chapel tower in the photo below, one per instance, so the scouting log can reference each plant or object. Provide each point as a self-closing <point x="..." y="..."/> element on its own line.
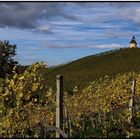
<point x="133" y="43"/>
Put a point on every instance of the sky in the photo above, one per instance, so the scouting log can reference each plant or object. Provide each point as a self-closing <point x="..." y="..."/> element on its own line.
<point x="60" y="32"/>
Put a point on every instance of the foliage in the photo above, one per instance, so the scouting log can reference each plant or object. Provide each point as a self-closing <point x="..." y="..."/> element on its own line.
<point x="7" y="52"/>
<point x="100" y="110"/>
<point x="25" y="103"/>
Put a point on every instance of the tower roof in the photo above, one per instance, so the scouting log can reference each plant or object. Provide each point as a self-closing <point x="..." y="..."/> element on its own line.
<point x="133" y="40"/>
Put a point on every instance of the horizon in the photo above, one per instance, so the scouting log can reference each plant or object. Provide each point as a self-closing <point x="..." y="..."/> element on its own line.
<point x="60" y="32"/>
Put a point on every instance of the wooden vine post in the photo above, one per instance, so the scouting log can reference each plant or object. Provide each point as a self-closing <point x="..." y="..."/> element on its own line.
<point x="59" y="104"/>
<point x="132" y="103"/>
<point x="132" y="109"/>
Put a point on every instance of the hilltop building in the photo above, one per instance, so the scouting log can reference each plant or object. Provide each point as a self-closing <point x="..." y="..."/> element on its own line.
<point x="133" y="43"/>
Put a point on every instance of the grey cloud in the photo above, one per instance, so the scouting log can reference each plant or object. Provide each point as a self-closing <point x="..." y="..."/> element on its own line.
<point x="26" y="15"/>
<point x="17" y="15"/>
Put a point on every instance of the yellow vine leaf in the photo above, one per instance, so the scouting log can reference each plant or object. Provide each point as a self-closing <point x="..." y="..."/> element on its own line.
<point x="21" y="78"/>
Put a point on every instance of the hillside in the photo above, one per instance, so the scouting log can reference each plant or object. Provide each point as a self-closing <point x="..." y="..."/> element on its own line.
<point x="90" y="68"/>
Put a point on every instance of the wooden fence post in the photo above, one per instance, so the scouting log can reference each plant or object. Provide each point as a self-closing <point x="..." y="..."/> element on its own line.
<point x="132" y="102"/>
<point x="59" y="104"/>
<point x="132" y="108"/>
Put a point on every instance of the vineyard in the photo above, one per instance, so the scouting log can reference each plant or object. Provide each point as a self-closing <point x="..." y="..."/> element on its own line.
<point x="100" y="110"/>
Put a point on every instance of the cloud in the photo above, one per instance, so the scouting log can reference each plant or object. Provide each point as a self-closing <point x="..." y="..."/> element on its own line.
<point x="39" y="16"/>
<point x="109" y="46"/>
<point x="67" y="25"/>
<point x="17" y="15"/>
<point x="102" y="46"/>
<point x="132" y="14"/>
<point x="117" y="33"/>
<point x="26" y="15"/>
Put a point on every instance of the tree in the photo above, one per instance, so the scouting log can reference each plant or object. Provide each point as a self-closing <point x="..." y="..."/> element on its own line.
<point x="7" y="52"/>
